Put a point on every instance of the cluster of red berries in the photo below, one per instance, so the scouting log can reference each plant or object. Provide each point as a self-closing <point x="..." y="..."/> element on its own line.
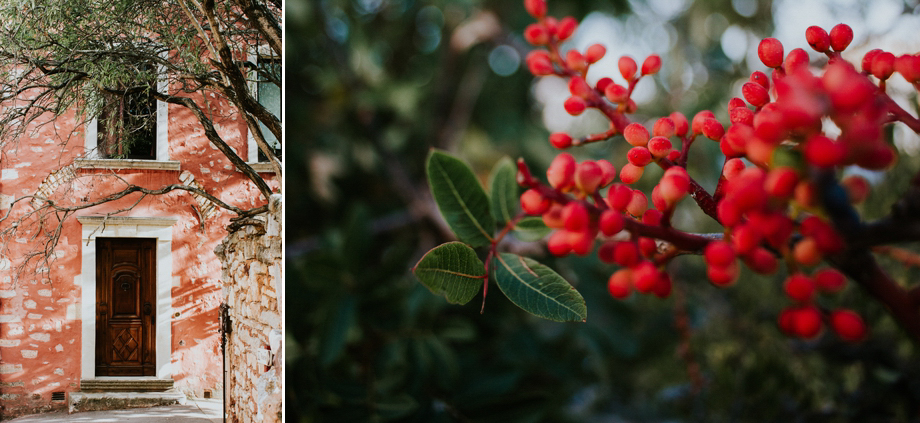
<point x="770" y="209"/>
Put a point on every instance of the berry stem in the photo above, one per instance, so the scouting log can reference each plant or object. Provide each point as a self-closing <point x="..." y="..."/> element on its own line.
<point x="901" y="115"/>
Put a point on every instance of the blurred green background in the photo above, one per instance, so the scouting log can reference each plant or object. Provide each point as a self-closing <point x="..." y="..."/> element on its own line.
<point x="372" y="85"/>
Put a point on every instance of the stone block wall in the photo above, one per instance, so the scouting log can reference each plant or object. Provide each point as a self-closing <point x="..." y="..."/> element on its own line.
<point x="252" y="287"/>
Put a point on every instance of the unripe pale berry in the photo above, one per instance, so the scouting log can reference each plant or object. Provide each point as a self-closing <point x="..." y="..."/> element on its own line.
<point x="595" y="52"/>
<point x="841" y="35"/>
<point x="552" y="218"/>
<point x="770" y="51"/>
<point x="636" y="134"/>
<point x="611" y="222"/>
<point x="651" y="65"/>
<point x="806" y="252"/>
<point x="566" y="28"/>
<point x="560" y="140"/>
<point x="627" y="67"/>
<point x="534" y="203"/>
<point x="630" y="173"/>
<point x="561" y="171"/>
<point x="588" y="176"/>
<point x="830" y="280"/>
<point x="639" y="156"/>
<point x="848" y="325"/>
<point x="575" y="105"/>
<point x="818" y="39"/>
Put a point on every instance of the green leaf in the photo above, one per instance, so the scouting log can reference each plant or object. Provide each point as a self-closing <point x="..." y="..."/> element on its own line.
<point x="461" y="199"/>
<point x="452" y="270"/>
<point x="531" y="229"/>
<point x="504" y="191"/>
<point x="538" y="289"/>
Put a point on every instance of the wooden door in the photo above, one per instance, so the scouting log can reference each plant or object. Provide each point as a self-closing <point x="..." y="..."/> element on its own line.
<point x="125" y="307"/>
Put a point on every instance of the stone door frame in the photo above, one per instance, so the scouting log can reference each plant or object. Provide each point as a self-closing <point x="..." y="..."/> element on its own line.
<point x="159" y="228"/>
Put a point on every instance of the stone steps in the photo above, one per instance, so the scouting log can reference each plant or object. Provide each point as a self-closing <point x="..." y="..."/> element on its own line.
<point x="113" y="393"/>
<point x="125" y="385"/>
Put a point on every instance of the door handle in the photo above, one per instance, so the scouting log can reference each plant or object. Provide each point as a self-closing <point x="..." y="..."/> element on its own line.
<point x="148" y="310"/>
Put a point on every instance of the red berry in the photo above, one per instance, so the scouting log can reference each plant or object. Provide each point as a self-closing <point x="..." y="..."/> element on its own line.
<point x="755" y="94"/>
<point x="822" y="151"/>
<point x="534" y="203"/>
<point x="818" y="39"/>
<point x="681" y="126"/>
<point x="848" y="325"/>
<point x="626" y="253"/>
<point x="645" y="277"/>
<point x="713" y="130"/>
<point x="652" y="217"/>
<point x="732" y="168"/>
<point x="561" y="171"/>
<point x="735" y="103"/>
<point x="664" y="127"/>
<point x="536" y="34"/>
<point x="595" y="52"/>
<point x="560" y="140"/>
<point x="745" y="238"/>
<point x="796" y="59"/>
<point x="741" y="115"/>
<point x="637" y="204"/>
<point x="770" y="52"/>
<point x="576" y="61"/>
<point x="841" y="35"/>
<point x="674" y="185"/>
<point x="539" y="63"/>
<point x="536" y="8"/>
<point x="639" y="156"/>
<point x="659" y="147"/>
<point x="603" y="83"/>
<point x="762" y="261"/>
<point x="578" y="87"/>
<point x="648" y="246"/>
<point x="883" y="65"/>
<point x="697" y="125"/>
<point x="651" y="65"/>
<point x="608" y="172"/>
<point x="830" y="280"/>
<point x="909" y="67"/>
<point x="799" y="287"/>
<point x="630" y="173"/>
<point x="617" y="93"/>
<point x="781" y="182"/>
<point x="719" y="254"/>
<point x="581" y="241"/>
<point x="857" y="188"/>
<point x="806" y="322"/>
<point x="806" y="252"/>
<point x="663" y="288"/>
<point x="575" y="216"/>
<point x="619" y="196"/>
<point x="558" y="244"/>
<point x="588" y="176"/>
<point x="552" y="218"/>
<point x="566" y="28"/>
<point x="627" y="67"/>
<point x="868" y="58"/>
<point x="723" y="276"/>
<point x="760" y="78"/>
<point x="611" y="222"/>
<point x="575" y="105"/>
<point x="620" y="283"/>
<point x="636" y="134"/>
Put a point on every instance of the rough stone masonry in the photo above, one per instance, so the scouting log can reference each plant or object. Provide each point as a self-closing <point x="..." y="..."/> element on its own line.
<point x="252" y="287"/>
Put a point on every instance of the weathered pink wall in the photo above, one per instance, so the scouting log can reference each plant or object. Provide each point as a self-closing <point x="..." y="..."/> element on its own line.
<point x="40" y="330"/>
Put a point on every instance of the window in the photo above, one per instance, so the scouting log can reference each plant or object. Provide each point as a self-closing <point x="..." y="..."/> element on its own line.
<point x="266" y="85"/>
<point x="130" y="129"/>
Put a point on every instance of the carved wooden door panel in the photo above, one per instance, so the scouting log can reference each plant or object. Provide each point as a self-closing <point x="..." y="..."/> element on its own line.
<point x="125" y="307"/>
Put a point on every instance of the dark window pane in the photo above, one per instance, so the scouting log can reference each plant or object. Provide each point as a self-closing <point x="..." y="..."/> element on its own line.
<point x="270" y="96"/>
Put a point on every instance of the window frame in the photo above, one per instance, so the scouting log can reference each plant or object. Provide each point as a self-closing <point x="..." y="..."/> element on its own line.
<point x="92" y="157"/>
<point x="252" y="148"/>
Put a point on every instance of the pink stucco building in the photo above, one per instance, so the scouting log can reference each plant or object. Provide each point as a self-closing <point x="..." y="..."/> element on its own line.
<point x="132" y="295"/>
